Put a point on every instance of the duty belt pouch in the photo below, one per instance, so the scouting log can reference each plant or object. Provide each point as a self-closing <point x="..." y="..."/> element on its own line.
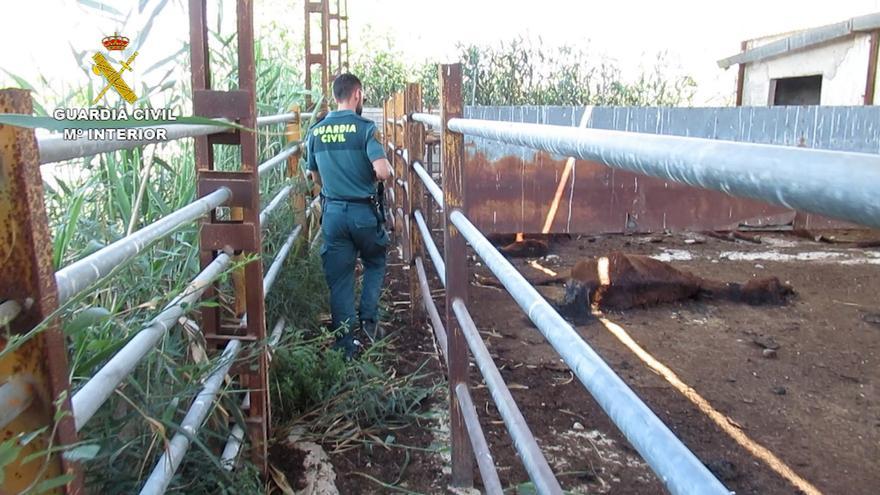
<point x="379" y="205"/>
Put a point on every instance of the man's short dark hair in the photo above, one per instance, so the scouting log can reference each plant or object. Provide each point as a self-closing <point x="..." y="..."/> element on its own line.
<point x="344" y="85"/>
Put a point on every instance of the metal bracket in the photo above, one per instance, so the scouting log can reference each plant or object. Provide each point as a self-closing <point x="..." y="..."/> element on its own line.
<point x="239" y="183"/>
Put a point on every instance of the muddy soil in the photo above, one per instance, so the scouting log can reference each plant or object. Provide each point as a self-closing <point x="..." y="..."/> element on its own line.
<point x="814" y="404"/>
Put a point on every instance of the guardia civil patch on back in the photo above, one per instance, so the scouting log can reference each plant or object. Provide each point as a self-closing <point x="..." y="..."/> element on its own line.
<point x="334" y="133"/>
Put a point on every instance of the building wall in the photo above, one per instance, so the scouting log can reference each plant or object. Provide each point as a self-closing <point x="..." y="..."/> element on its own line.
<point x="842" y="63"/>
<point x="510" y="188"/>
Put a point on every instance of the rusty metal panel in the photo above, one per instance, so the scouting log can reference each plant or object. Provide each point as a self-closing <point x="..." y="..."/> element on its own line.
<point x="231" y="236"/>
<point x="27" y="277"/>
<point x="229" y="104"/>
<point x="511" y="188"/>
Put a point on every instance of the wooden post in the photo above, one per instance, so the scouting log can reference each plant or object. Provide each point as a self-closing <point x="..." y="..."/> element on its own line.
<point x="741" y="78"/>
<point x="386" y="139"/>
<point x="415" y="145"/>
<point x="38" y="367"/>
<point x="401" y="172"/>
<point x="298" y="202"/>
<point x="429" y="167"/>
<point x="455" y="255"/>
<point x="873" y="54"/>
<point x="239" y="287"/>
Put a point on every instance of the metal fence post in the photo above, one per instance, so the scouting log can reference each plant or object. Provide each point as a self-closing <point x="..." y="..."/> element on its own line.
<point x="33" y="373"/>
<point x="321" y="59"/>
<point x="455" y="254"/>
<point x="243" y="236"/>
<point x="415" y="145"/>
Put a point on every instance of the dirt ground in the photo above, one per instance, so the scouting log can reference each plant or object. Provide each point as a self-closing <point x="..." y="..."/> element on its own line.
<point x="814" y="404"/>
<point x="417" y="460"/>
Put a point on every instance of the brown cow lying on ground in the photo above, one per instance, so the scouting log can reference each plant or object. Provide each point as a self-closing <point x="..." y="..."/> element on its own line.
<point x="623" y="281"/>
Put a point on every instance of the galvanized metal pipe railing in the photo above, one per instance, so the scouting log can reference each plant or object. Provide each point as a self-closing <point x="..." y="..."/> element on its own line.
<point x="277" y="201"/>
<point x="428" y="119"/>
<point x="486" y="464"/>
<point x="431" y="309"/>
<point x="281" y="118"/>
<point x="523" y="440"/>
<point x="429" y="183"/>
<point x="837" y="184"/>
<point x="232" y="447"/>
<point x="95" y="392"/>
<point x="277" y="331"/>
<point x="78" y="276"/>
<point x="431" y="246"/>
<point x="8" y="311"/>
<point x="164" y="471"/>
<point x="82" y="274"/>
<point x="57" y="149"/>
<point x="236" y="435"/>
<point x="16" y="396"/>
<point x="277" y="160"/>
<point x="278" y="262"/>
<point x="676" y="466"/>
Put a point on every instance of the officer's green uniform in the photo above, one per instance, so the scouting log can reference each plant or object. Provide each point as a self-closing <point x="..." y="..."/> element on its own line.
<point x="342" y="148"/>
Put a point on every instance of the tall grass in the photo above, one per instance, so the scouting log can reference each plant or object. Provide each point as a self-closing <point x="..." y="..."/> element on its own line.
<point x="114" y="193"/>
<point x="524" y="71"/>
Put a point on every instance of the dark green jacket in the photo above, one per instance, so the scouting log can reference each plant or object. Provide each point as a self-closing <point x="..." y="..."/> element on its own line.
<point x="342" y="148"/>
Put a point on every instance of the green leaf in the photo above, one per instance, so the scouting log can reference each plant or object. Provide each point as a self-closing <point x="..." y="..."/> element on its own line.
<point x="170" y="410"/>
<point x="9" y="452"/>
<point x="61" y="242"/>
<point x="20" y="81"/>
<point x="51" y="484"/>
<point x="145" y="31"/>
<point x="82" y="452"/>
<point x="87" y="318"/>
<point x="166" y="60"/>
<point x="29" y="437"/>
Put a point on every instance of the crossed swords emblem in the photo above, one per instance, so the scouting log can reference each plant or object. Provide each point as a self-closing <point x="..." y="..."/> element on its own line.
<point x="114" y="78"/>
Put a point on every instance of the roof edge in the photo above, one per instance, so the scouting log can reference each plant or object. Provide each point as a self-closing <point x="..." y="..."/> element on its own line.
<point x="804" y="39"/>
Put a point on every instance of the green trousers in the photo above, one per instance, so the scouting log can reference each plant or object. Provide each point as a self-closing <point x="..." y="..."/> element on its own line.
<point x="351" y="230"/>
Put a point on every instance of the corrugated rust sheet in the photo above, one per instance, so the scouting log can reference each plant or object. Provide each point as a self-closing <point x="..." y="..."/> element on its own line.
<point x="510" y="188"/>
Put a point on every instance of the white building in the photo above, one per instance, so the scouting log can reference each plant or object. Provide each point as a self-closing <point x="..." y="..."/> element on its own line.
<point x="828" y="65"/>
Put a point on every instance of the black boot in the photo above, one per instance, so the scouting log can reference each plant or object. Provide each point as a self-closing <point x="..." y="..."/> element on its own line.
<point x="348" y="345"/>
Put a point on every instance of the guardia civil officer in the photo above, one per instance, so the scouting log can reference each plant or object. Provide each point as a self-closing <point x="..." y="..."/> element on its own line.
<point x="347" y="160"/>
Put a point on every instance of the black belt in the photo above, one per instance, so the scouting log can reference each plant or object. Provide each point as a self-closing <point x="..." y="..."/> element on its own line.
<point x="378" y="206"/>
<point x="370" y="200"/>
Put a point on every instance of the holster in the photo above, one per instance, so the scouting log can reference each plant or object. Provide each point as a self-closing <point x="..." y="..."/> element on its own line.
<point x="380" y="204"/>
